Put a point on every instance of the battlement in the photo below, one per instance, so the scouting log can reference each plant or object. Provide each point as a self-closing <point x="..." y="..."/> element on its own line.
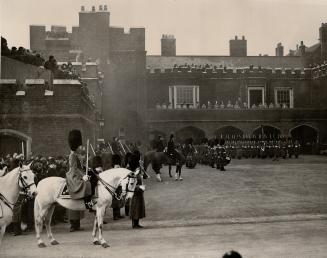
<point x="134" y="39"/>
<point x="226" y="72"/>
<point x="64" y="97"/>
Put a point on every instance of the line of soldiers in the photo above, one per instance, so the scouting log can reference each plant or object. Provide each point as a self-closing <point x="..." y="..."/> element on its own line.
<point x="252" y="148"/>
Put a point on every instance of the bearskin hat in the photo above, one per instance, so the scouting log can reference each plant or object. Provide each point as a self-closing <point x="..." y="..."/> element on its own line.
<point x="115" y="160"/>
<point x="232" y="254"/>
<point x="96" y="162"/>
<point x="75" y="139"/>
<point x="222" y="141"/>
<point x="133" y="162"/>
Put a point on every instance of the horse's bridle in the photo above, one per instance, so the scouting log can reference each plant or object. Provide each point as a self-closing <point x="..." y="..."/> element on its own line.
<point x="24" y="188"/>
<point x="111" y="189"/>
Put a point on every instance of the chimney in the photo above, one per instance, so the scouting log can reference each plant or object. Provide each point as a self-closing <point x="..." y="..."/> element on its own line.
<point x="168" y="45"/>
<point x="302" y="49"/>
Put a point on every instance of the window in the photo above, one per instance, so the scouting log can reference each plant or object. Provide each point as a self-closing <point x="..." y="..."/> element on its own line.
<point x="256" y="96"/>
<point x="284" y="96"/>
<point x="183" y="96"/>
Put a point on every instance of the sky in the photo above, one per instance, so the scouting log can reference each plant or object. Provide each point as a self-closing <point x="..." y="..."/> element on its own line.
<point x="201" y="27"/>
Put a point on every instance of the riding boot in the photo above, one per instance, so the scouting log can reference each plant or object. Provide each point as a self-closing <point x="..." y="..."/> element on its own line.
<point x="115" y="213"/>
<point x="17" y="230"/>
<point x="136" y="223"/>
<point x="127" y="208"/>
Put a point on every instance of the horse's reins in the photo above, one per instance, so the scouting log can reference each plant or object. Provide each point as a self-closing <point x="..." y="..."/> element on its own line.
<point x="111" y="189"/>
<point x="25" y="187"/>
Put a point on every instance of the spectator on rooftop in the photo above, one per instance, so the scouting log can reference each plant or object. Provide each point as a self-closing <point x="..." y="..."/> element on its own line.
<point x="51" y="64"/>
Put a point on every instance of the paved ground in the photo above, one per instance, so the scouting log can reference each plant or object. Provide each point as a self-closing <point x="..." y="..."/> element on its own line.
<point x="277" y="209"/>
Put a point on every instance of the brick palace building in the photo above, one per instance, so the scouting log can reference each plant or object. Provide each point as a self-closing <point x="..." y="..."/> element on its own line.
<point x="140" y="96"/>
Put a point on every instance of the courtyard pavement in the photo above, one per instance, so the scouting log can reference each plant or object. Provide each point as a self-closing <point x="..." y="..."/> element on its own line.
<point x="262" y="208"/>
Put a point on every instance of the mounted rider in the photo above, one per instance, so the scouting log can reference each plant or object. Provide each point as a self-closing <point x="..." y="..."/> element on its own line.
<point x="78" y="184"/>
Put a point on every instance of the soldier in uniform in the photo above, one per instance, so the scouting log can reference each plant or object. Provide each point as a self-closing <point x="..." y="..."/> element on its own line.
<point x="160" y="144"/>
<point x="77" y="182"/>
<point x="171" y="152"/>
<point x="117" y="204"/>
<point x="221" y="155"/>
<point x="137" y="207"/>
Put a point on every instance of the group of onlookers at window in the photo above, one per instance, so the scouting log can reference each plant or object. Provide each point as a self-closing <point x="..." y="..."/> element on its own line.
<point x="220" y="105"/>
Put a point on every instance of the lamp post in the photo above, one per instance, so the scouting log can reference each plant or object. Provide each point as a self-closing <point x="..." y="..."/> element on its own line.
<point x="100" y="83"/>
<point x="101" y="124"/>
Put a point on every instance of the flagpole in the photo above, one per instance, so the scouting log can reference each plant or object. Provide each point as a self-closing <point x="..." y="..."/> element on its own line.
<point x="23" y="152"/>
<point x="87" y="156"/>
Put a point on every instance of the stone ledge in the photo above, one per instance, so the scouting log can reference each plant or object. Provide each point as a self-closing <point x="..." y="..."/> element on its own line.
<point x="34" y="81"/>
<point x="8" y="81"/>
<point x="20" y="93"/>
<point x="66" y="81"/>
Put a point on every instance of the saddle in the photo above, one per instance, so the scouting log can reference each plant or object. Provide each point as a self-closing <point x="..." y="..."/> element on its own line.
<point x="65" y="200"/>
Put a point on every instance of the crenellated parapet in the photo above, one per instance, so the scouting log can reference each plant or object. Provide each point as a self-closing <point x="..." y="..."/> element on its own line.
<point x="34" y="97"/>
<point x="133" y="39"/>
<point x="232" y="72"/>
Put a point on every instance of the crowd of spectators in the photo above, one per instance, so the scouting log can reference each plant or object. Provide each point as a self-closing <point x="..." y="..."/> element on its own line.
<point x="221" y="105"/>
<point x="204" y="67"/>
<point x="319" y="70"/>
<point x="21" y="54"/>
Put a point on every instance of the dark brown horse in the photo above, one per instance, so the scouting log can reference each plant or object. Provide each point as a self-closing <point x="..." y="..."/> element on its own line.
<point x="158" y="159"/>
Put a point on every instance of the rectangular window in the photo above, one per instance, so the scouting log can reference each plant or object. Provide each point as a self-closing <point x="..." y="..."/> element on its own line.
<point x="183" y="96"/>
<point x="256" y="96"/>
<point x="284" y="97"/>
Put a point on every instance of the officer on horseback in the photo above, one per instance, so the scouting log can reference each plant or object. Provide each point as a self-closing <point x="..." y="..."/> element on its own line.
<point x="78" y="184"/>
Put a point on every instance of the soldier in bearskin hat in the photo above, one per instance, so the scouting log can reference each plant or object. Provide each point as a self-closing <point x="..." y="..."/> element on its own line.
<point x="137" y="205"/>
<point x="78" y="183"/>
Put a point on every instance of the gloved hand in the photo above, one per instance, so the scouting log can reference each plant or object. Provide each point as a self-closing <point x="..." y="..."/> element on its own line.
<point x="142" y="187"/>
<point x="85" y="178"/>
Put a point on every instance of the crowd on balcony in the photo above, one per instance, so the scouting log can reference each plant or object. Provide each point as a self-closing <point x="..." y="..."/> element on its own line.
<point x="220" y="105"/>
<point x="21" y="54"/>
<point x="203" y="67"/>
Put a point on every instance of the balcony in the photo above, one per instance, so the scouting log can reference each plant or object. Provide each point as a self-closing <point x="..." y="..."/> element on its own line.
<point x="237" y="115"/>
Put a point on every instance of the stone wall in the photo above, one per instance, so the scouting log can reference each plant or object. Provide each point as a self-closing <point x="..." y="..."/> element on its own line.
<point x="44" y="118"/>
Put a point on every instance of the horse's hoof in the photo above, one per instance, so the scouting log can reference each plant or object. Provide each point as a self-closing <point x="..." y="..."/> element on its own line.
<point x="96" y="242"/>
<point x="54" y="242"/>
<point x="42" y="245"/>
<point x="105" y="245"/>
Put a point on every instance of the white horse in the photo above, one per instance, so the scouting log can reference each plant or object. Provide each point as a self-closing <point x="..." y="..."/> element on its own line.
<point x="49" y="190"/>
<point x="20" y="178"/>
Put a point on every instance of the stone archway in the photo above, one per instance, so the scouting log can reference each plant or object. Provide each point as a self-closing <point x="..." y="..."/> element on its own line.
<point x="266" y="131"/>
<point x="227" y="132"/>
<point x="307" y="137"/>
<point x="190" y="132"/>
<point x="12" y="141"/>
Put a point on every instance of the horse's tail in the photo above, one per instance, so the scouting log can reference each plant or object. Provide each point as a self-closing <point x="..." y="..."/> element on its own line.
<point x="147" y="160"/>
